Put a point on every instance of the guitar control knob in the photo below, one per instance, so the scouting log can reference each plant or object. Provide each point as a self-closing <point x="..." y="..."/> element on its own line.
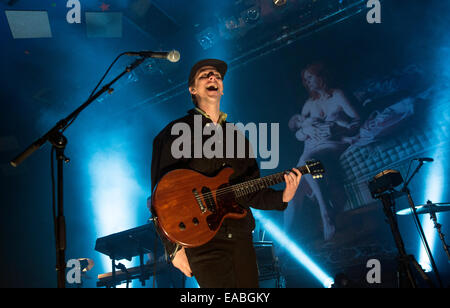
<point x="195" y="221"/>
<point x="182" y="226"/>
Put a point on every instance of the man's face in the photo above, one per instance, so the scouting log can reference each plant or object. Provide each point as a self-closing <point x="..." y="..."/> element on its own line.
<point x="207" y="84"/>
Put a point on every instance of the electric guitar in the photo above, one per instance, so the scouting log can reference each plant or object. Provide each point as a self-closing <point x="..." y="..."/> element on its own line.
<point x="190" y="207"/>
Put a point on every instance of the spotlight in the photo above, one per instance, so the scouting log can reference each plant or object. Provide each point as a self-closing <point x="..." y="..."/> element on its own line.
<point x="279" y="3"/>
<point x="28" y="24"/>
<point x="252" y="16"/>
<point x="291" y="247"/>
<point x="207" y="38"/>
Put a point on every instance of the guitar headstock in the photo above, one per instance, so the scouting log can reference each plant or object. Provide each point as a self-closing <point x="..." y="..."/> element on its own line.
<point x="315" y="168"/>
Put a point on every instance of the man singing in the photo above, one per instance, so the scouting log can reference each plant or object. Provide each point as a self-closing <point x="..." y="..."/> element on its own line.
<point x="228" y="260"/>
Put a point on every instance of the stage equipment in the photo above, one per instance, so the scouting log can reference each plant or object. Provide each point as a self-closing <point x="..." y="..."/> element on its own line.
<point x="384" y="181"/>
<point x="432" y="209"/>
<point x="382" y="187"/>
<point x="86" y="264"/>
<point x="126" y="245"/>
<point x="269" y="272"/>
<point x="172" y="56"/>
<point x="113" y="279"/>
<point x="55" y="137"/>
<point x="406" y="190"/>
<point x="279" y="3"/>
<point x="427" y="208"/>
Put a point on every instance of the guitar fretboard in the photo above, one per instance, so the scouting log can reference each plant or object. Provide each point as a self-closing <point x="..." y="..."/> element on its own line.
<point x="255" y="185"/>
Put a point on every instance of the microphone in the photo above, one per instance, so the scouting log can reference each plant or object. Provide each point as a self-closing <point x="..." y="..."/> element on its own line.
<point x="172" y="56"/>
<point x="427" y="159"/>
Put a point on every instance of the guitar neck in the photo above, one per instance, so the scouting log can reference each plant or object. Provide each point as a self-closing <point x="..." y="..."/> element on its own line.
<point x="255" y="185"/>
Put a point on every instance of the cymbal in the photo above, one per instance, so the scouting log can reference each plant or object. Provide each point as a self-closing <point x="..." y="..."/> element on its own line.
<point x="427" y="208"/>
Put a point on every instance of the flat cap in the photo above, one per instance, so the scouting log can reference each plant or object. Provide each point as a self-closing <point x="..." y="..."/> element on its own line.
<point x="220" y="65"/>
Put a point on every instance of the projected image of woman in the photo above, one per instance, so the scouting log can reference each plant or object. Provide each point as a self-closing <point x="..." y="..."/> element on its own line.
<point x="327" y="117"/>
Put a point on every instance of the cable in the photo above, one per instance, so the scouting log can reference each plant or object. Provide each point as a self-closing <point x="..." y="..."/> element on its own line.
<point x="416" y="223"/>
<point x="154" y="257"/>
<point x="93" y="91"/>
<point x="52" y="169"/>
<point x="409" y="167"/>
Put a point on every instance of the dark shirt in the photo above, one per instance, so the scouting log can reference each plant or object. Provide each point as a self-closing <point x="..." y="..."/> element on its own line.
<point x="244" y="169"/>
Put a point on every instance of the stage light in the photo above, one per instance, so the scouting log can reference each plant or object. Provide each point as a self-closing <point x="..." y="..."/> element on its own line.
<point x="407" y="211"/>
<point x="251" y="16"/>
<point x="436" y="173"/>
<point x="191" y="283"/>
<point x="291" y="247"/>
<point x="279" y="3"/>
<point x="207" y="38"/>
<point x="86" y="264"/>
<point x="434" y="191"/>
<point x="29" y="24"/>
<point x="114" y="196"/>
<point x="101" y="24"/>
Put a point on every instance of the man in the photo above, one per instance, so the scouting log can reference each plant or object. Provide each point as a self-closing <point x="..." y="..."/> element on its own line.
<point x="228" y="260"/>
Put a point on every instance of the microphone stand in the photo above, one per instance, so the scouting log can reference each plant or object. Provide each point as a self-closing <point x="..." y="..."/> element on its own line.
<point x="405" y="262"/>
<point x="406" y="190"/>
<point x="59" y="141"/>
<point x="438" y="226"/>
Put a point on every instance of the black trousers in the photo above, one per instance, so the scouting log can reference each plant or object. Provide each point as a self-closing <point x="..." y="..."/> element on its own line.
<point x="225" y="262"/>
<point x="170" y="277"/>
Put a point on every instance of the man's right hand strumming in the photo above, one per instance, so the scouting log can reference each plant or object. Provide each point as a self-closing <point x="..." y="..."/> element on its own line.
<point x="181" y="262"/>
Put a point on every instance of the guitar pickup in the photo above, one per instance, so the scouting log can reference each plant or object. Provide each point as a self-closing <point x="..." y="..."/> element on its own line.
<point x="208" y="197"/>
<point x="199" y="201"/>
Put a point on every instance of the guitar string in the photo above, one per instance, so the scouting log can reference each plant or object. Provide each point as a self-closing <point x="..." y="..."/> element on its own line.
<point x="270" y="178"/>
<point x="234" y="188"/>
<point x="225" y="190"/>
<point x="244" y="187"/>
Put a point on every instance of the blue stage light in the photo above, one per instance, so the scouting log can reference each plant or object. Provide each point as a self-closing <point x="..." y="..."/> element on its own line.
<point x="434" y="192"/>
<point x="407" y="211"/>
<point x="115" y="196"/>
<point x="101" y="24"/>
<point x="29" y="24"/>
<point x="294" y="249"/>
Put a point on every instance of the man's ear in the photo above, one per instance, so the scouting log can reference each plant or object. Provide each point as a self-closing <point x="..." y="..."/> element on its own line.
<point x="192" y="90"/>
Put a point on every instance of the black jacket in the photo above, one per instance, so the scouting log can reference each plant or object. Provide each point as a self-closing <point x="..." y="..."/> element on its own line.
<point x="245" y="169"/>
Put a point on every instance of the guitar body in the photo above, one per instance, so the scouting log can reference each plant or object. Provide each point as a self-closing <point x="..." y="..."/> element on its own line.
<point x="188" y="209"/>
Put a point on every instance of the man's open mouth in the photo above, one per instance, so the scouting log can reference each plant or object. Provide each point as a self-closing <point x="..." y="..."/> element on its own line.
<point x="212" y="88"/>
